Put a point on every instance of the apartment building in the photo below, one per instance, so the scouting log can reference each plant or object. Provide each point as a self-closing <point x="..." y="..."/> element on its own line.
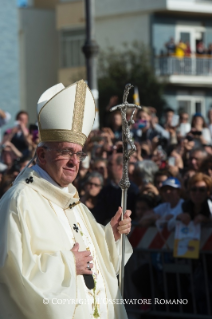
<point x="189" y="77"/>
<point x="152" y="22"/>
<point x="51" y="34"/>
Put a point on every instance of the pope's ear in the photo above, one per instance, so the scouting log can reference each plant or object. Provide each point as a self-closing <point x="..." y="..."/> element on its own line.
<point x="41" y="155"/>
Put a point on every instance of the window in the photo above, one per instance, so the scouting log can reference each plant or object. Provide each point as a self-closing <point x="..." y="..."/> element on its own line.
<point x="191" y="105"/>
<point x="71" y="48"/>
<point x="190" y="34"/>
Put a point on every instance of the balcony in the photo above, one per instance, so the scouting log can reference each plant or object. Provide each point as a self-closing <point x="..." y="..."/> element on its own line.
<point x="189" y="71"/>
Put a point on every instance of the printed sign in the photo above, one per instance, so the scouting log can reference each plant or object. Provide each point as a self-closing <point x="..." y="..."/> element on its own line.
<point x="187" y="240"/>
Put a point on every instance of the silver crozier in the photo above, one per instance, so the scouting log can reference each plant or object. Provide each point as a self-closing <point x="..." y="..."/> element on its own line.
<point x="128" y="149"/>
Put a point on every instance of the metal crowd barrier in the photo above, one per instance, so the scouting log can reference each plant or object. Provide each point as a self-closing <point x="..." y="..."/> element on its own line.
<point x="180" y="287"/>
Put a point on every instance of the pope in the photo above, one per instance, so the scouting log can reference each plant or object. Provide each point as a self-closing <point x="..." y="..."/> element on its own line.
<point x="56" y="261"/>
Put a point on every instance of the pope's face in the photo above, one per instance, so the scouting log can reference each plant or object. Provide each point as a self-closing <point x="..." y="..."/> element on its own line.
<point x="62" y="170"/>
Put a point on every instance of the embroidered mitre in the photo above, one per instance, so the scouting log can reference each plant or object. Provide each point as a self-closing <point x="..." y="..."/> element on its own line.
<point x="66" y="114"/>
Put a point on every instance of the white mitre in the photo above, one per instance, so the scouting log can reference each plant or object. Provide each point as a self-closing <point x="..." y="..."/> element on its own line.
<point x="66" y="114"/>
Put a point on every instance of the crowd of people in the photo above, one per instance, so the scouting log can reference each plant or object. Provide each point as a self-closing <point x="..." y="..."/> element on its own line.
<point x="170" y="172"/>
<point x="182" y="49"/>
<point x="172" y="164"/>
<point x="17" y="148"/>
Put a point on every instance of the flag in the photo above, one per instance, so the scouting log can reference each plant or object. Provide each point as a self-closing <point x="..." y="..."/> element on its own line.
<point x="96" y="122"/>
<point x="136" y="96"/>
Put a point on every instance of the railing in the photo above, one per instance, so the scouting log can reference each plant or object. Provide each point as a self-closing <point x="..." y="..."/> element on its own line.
<point x="172" y="65"/>
<point x="163" y="286"/>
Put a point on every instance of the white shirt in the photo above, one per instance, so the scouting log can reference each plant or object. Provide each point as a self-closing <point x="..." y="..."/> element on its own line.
<point x="206" y="135"/>
<point x="165" y="209"/>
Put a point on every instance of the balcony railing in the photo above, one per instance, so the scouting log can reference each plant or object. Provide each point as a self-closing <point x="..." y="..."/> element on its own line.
<point x="172" y="65"/>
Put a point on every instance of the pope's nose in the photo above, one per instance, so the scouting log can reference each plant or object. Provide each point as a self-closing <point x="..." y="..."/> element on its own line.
<point x="74" y="159"/>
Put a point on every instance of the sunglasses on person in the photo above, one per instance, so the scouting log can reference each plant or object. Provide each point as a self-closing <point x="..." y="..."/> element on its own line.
<point x="94" y="184"/>
<point x="199" y="189"/>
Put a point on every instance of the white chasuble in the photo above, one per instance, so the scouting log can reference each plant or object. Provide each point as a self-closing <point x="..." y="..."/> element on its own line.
<point x="95" y="298"/>
<point x="37" y="269"/>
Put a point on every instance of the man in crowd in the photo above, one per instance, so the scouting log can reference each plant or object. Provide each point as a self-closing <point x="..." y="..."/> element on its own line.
<point x="170" y="46"/>
<point x="169" y="115"/>
<point x="197" y="155"/>
<point x="55" y="260"/>
<point x="167" y="211"/>
<point x="110" y="195"/>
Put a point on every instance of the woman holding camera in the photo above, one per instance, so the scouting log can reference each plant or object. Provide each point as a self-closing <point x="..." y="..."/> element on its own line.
<point x="199" y="130"/>
<point x="199" y="206"/>
<point x="146" y="129"/>
<point x="18" y="135"/>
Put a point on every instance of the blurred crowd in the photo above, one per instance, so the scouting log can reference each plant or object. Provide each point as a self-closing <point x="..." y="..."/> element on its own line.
<point x="170" y="172"/>
<point x="17" y="147"/>
<point x="182" y="49"/>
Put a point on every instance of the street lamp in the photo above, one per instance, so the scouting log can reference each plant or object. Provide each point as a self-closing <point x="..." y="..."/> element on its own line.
<point x="91" y="49"/>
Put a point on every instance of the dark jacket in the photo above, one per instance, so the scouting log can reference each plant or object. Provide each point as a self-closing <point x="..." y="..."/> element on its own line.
<point x="188" y="207"/>
<point x="109" y="199"/>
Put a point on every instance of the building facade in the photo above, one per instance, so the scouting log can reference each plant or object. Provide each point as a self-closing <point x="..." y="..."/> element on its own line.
<point x="29" y="55"/>
<point x="38" y="47"/>
<point x="154" y="23"/>
<point x="42" y="46"/>
<point x="9" y="55"/>
<point x="189" y="77"/>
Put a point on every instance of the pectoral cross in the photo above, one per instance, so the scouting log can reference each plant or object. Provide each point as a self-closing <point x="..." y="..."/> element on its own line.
<point x="75" y="228"/>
